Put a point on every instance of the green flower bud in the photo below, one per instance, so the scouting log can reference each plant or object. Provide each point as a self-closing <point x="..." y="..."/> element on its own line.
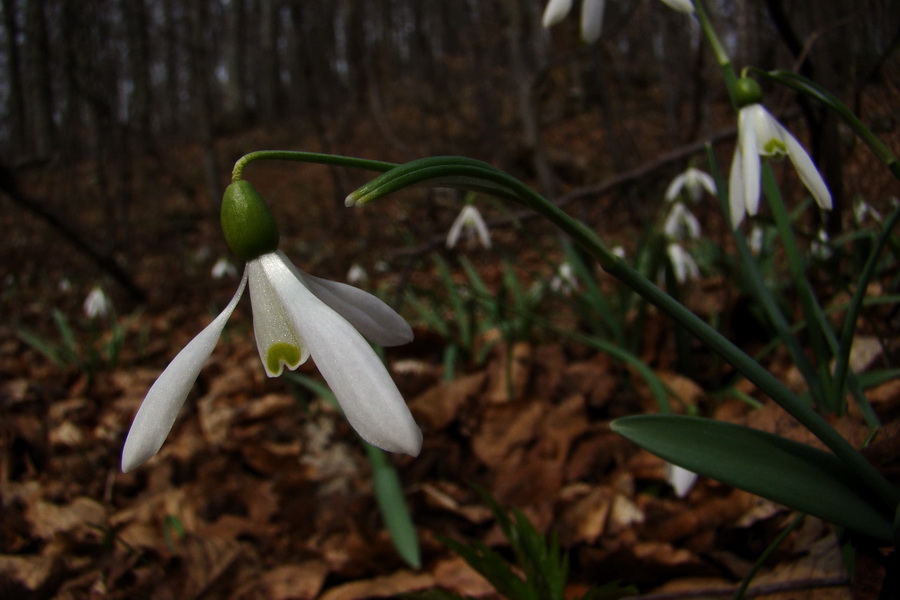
<point x="247" y="223"/>
<point x="747" y="92"/>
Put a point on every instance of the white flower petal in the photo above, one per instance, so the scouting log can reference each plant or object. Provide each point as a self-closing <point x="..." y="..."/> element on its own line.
<point x="767" y="131"/>
<point x="455" y="230"/>
<point x="592" y="19"/>
<point x="480" y="227"/>
<point x="278" y="344"/>
<point x="675" y="187"/>
<point x="680" y="479"/>
<point x="160" y="407"/>
<point x="701" y="181"/>
<point x="685" y="6"/>
<point x="97" y="304"/>
<point x="359" y="380"/>
<point x="750" y="162"/>
<point x="556" y="11"/>
<point x="377" y="321"/>
<point x="683" y="264"/>
<point x="736" y="204"/>
<point x="806" y="169"/>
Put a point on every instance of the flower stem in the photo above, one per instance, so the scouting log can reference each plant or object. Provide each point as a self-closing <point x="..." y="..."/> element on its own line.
<point x="718" y="49"/>
<point x="309" y="157"/>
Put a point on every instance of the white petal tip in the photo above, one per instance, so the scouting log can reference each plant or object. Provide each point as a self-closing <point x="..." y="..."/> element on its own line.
<point x="133" y="457"/>
<point x="411" y="443"/>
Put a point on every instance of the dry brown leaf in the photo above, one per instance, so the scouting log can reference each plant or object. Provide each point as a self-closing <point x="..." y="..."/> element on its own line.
<point x="22" y="574"/>
<point x="300" y="581"/>
<point x="623" y="513"/>
<point x="445" y="495"/>
<point x="584" y="519"/>
<point x="508" y="372"/>
<point x="820" y="560"/>
<point x="455" y="575"/>
<point x="440" y="405"/>
<point x="401" y="582"/>
<point x="505" y="428"/>
<point x="82" y="515"/>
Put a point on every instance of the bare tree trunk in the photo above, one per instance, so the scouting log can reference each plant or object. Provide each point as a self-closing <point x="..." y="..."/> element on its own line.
<point x="135" y="16"/>
<point x="200" y="68"/>
<point x="37" y="80"/>
<point x="233" y="49"/>
<point x="15" y="109"/>
<point x="267" y="64"/>
<point x="516" y="34"/>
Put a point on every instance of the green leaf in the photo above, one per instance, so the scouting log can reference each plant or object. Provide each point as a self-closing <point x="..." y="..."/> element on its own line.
<point x="389" y="493"/>
<point x="787" y="472"/>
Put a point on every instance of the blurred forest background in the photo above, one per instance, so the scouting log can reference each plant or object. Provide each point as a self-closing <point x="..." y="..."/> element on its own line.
<point x="120" y="121"/>
<point x="104" y="98"/>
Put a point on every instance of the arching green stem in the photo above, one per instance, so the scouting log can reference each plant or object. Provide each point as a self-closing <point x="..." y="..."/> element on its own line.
<point x="434" y="172"/>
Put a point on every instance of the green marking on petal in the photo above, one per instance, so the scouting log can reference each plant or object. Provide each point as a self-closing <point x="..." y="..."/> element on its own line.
<point x="775" y="147"/>
<point x="282" y="353"/>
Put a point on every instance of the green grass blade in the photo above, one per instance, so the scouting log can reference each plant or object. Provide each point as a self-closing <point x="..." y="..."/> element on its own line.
<point x="787" y="472"/>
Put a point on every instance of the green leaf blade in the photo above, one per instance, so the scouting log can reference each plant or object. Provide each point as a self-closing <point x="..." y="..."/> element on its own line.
<point x="796" y="475"/>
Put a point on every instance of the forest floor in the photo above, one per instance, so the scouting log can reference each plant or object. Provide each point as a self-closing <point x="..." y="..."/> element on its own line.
<point x="263" y="491"/>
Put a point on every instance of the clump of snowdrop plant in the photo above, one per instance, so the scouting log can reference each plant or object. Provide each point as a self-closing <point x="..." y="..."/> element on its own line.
<point x="295" y="316"/>
<point x="761" y="135"/>
<point x="681" y="226"/>
<point x="592" y="14"/>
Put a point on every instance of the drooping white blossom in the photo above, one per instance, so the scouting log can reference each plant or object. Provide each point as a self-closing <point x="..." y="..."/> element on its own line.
<point x="223" y="268"/>
<point x="295" y="316"/>
<point x="357" y="274"/>
<point x="470" y="223"/>
<point x="592" y="14"/>
<point x="693" y="182"/>
<point x="683" y="264"/>
<point x="97" y="304"/>
<point x="760" y="134"/>
<point x="564" y="280"/>
<point x="680" y="224"/>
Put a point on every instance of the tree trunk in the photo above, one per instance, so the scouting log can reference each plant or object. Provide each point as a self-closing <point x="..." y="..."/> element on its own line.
<point x="37" y="80"/>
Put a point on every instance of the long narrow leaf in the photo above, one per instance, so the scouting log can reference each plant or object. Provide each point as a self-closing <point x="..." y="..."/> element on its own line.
<point x="389" y="494"/>
<point x="787" y="472"/>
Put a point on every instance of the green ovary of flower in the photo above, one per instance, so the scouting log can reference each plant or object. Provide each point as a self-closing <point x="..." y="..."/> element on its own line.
<point x="747" y="92"/>
<point x="247" y="223"/>
<point x="282" y="353"/>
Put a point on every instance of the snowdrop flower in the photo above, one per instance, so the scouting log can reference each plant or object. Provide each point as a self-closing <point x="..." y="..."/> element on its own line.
<point x="223" y="268"/>
<point x="681" y="224"/>
<point x="693" y="181"/>
<point x="755" y="240"/>
<point x="97" y="304"/>
<point x="592" y="14"/>
<point x="680" y="479"/>
<point x="357" y="274"/>
<point x="683" y="264"/>
<point x="295" y="315"/>
<point x="470" y="221"/>
<point x="862" y="209"/>
<point x="820" y="248"/>
<point x="760" y="134"/>
<point x="564" y="281"/>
